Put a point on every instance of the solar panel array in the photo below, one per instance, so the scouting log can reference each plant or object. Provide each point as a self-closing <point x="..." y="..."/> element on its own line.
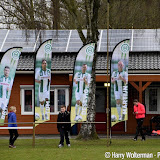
<point x="69" y="40"/>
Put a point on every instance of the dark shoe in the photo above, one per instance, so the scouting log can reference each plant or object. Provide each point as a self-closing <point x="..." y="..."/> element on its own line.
<point x="134" y="139"/>
<point x="10" y="146"/>
<point x="143" y="139"/>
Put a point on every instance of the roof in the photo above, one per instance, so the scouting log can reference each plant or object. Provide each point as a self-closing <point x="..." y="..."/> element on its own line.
<point x="144" y="55"/>
<point x="68" y="40"/>
<point x="138" y="62"/>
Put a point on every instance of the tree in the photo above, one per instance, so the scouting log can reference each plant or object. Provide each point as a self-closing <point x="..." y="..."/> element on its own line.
<point x="53" y="14"/>
<point x="30" y="14"/>
<point x="90" y="12"/>
<point x="139" y="14"/>
<point x="79" y="15"/>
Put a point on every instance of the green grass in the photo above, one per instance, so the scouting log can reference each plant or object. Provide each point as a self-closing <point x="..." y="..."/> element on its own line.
<point x="46" y="149"/>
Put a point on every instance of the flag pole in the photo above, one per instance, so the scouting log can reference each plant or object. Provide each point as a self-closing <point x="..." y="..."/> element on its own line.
<point x="107" y="73"/>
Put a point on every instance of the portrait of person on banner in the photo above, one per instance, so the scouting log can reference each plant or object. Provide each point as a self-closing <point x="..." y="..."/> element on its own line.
<point x="42" y="81"/>
<point x="8" y="67"/>
<point x="43" y="78"/>
<point x="82" y="80"/>
<point x="81" y="83"/>
<point x="6" y="83"/>
<point x="120" y="79"/>
<point x="119" y="83"/>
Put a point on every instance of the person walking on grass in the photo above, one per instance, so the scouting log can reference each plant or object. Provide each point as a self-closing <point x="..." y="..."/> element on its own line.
<point x="13" y="132"/>
<point x="139" y="112"/>
<point x="63" y="128"/>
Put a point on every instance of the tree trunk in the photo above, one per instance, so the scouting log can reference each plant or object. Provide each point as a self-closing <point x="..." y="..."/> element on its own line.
<point x="88" y="130"/>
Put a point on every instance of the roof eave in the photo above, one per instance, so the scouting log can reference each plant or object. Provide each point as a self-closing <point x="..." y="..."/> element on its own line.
<point x="97" y="72"/>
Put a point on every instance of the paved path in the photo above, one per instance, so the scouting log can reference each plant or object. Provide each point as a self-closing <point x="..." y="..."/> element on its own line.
<point x="102" y="136"/>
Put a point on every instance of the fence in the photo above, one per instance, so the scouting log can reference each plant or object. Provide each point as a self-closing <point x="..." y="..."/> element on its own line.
<point x="34" y="127"/>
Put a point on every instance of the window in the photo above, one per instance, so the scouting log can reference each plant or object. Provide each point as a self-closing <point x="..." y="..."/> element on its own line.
<point x="59" y="95"/>
<point x="61" y="98"/>
<point x="152" y="101"/>
<point x="52" y="101"/>
<point x="27" y="99"/>
<point x="100" y="100"/>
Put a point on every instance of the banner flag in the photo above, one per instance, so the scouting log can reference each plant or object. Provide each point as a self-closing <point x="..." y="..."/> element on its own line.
<point x="7" y="73"/>
<point x="81" y="83"/>
<point x="119" y="82"/>
<point x="42" y="81"/>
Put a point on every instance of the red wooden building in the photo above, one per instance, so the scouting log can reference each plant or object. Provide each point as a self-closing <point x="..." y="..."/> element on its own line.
<point x="144" y="74"/>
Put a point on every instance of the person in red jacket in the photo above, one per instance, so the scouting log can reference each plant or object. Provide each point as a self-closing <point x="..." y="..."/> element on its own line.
<point x="139" y="112"/>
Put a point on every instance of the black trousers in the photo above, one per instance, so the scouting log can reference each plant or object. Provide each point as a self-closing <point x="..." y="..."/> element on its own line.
<point x="139" y="128"/>
<point x="13" y="136"/>
<point x="63" y="133"/>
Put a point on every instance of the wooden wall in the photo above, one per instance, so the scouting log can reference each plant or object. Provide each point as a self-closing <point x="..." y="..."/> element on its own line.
<point x="65" y="79"/>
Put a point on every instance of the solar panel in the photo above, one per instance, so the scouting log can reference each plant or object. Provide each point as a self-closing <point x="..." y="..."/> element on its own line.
<point x="146" y="40"/>
<point x="18" y="38"/>
<point x="75" y="42"/>
<point x="3" y="34"/>
<point x="115" y="36"/>
<point x="69" y="40"/>
<point x="59" y="37"/>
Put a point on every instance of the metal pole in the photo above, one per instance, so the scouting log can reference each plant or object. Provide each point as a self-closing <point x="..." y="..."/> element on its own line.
<point x="33" y="143"/>
<point x="55" y="123"/>
<point x="107" y="73"/>
<point x="132" y="38"/>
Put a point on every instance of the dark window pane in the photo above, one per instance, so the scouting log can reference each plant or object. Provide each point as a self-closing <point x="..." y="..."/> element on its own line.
<point x="28" y="100"/>
<point x="100" y="100"/>
<point x="153" y="100"/>
<point x="52" y="101"/>
<point x="61" y="98"/>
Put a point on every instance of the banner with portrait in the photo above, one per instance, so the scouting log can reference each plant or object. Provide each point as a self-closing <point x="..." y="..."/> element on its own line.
<point x="119" y="82"/>
<point x="7" y="73"/>
<point x="81" y="83"/>
<point x="42" y="81"/>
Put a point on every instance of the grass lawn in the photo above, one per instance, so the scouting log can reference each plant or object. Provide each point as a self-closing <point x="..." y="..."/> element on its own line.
<point x="80" y="150"/>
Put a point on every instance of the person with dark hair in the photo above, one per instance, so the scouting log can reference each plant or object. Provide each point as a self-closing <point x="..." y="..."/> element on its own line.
<point x="139" y="112"/>
<point x="63" y="128"/>
<point x="43" y="60"/>
<point x="43" y="78"/>
<point x="6" y="67"/>
<point x="13" y="132"/>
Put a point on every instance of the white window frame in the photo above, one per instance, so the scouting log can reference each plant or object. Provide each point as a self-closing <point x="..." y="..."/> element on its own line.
<point x="22" y="89"/>
<point x="54" y="88"/>
<point x="147" y="100"/>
